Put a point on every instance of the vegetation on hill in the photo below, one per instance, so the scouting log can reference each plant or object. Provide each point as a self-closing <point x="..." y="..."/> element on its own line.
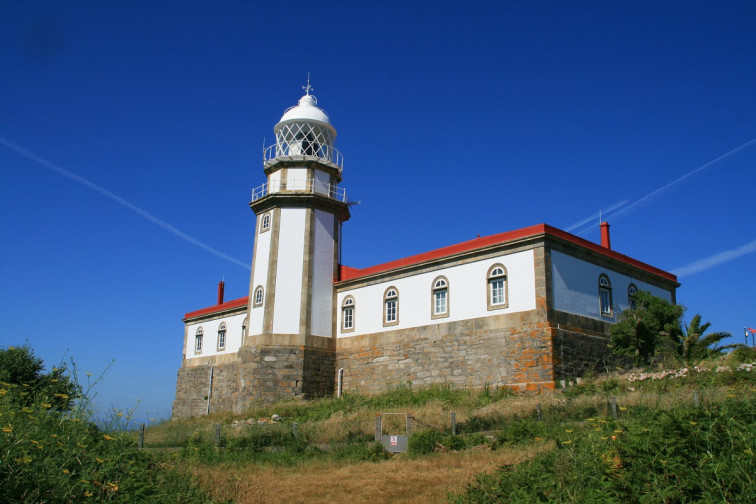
<point x="52" y="452"/>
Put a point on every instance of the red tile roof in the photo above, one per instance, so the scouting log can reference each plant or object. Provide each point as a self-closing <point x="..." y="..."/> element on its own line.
<point x="228" y="305"/>
<point x="500" y="238"/>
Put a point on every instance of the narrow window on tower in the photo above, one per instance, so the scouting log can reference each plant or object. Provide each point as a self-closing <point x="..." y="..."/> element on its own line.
<point x="605" y="295"/>
<point x="222" y="337"/>
<point x="497" y="287"/>
<point x="257" y="300"/>
<point x="198" y="341"/>
<point x="440" y="298"/>
<point x="391" y="307"/>
<point x="632" y="302"/>
<point x="245" y="324"/>
<point x="347" y="314"/>
<point x="265" y="222"/>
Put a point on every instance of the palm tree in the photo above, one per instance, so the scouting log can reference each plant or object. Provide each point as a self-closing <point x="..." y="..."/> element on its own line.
<point x="694" y="346"/>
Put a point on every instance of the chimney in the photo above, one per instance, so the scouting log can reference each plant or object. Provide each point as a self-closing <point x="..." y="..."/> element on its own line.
<point x="605" y="241"/>
<point x="221" y="287"/>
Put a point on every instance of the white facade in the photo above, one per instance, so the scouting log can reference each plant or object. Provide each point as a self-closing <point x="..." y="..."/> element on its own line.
<point x="288" y="299"/>
<point x="322" y="274"/>
<point x="210" y="329"/>
<point x="467" y="295"/>
<point x="576" y="287"/>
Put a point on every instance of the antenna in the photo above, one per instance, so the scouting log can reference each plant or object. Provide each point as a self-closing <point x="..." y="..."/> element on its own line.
<point x="308" y="87"/>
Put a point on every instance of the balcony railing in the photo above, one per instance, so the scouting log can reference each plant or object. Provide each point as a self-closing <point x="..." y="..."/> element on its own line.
<point x="312" y="186"/>
<point x="299" y="148"/>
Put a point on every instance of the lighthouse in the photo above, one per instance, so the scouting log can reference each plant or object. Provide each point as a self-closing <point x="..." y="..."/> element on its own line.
<point x="289" y="347"/>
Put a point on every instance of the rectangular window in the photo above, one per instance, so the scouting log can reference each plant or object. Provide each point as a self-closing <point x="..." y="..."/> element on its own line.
<point x="221" y="340"/>
<point x="497" y="291"/>
<point x="391" y="310"/>
<point x="198" y="344"/>
<point x="348" y="318"/>
<point x="606" y="304"/>
<point x="439" y="302"/>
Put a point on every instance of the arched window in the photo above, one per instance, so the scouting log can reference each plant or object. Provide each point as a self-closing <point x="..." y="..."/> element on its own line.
<point x="497" y="287"/>
<point x="257" y="300"/>
<point x="198" y="341"/>
<point x="347" y="314"/>
<point x="391" y="306"/>
<point x="245" y="324"/>
<point x="222" y="336"/>
<point x="605" y="295"/>
<point x="440" y="298"/>
<point x="632" y="290"/>
<point x="265" y="225"/>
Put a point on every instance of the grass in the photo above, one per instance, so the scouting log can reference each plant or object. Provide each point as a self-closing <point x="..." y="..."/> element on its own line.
<point x="571" y="446"/>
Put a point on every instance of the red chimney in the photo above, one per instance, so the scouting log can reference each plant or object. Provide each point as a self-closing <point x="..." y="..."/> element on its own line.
<point x="221" y="287"/>
<point x="605" y="241"/>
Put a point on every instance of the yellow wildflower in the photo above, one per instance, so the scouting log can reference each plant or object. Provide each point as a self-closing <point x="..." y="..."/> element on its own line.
<point x="109" y="438"/>
<point x="47" y="405"/>
<point x="567" y="430"/>
<point x="66" y="471"/>
<point x="98" y="459"/>
<point x="569" y="441"/>
<point x="88" y="494"/>
<point x="8" y="429"/>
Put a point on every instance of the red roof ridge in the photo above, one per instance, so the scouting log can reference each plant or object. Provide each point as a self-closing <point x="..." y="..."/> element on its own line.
<point x="348" y="273"/>
<point x="234" y="303"/>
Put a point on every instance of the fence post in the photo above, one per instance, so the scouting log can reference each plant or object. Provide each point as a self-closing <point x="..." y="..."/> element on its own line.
<point x="217" y="435"/>
<point x="613" y="400"/>
<point x="454" y="423"/>
<point x="696" y="400"/>
<point x="538" y="411"/>
<point x="140" y="443"/>
<point x="410" y="425"/>
<point x="378" y="427"/>
<point x="295" y="429"/>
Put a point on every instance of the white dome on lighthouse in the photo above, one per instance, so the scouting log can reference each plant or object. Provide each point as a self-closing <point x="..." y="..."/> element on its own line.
<point x="307" y="110"/>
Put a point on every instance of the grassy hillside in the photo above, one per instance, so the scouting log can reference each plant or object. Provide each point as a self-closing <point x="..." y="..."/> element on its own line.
<point x="672" y="436"/>
<point x="677" y="437"/>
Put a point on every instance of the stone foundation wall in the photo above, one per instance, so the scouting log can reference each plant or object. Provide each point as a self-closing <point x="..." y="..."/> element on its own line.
<point x="506" y="350"/>
<point x="270" y="373"/>
<point x="522" y="351"/>
<point x="580" y="345"/>
<point x="192" y="386"/>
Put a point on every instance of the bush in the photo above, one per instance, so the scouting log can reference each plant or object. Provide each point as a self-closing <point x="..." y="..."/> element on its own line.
<point x="50" y="454"/>
<point x="690" y="454"/>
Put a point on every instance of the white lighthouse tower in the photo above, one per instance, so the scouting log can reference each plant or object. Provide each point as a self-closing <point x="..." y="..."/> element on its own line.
<point x="289" y="348"/>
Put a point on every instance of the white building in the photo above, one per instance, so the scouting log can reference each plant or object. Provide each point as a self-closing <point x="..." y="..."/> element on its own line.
<point x="522" y="309"/>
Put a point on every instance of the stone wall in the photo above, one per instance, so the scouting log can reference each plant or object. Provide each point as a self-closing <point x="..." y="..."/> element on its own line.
<point x="192" y="387"/>
<point x="580" y="345"/>
<point x="504" y="350"/>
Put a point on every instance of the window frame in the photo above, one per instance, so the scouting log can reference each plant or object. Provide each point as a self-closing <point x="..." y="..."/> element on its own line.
<point x="221" y="337"/>
<point x="347" y="314"/>
<point x="265" y="221"/>
<point x="632" y="302"/>
<point x="390" y="298"/>
<point x="439" y="285"/>
<point x="493" y="276"/>
<point x="259" y="293"/>
<point x="198" y="337"/>
<point x="605" y="296"/>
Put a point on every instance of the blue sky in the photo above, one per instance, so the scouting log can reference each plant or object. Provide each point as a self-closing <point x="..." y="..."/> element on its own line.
<point x="131" y="137"/>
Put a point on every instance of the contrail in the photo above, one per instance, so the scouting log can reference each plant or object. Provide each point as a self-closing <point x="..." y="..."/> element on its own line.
<point x="653" y="194"/>
<point x="594" y="218"/>
<point x="715" y="260"/>
<point x="144" y="213"/>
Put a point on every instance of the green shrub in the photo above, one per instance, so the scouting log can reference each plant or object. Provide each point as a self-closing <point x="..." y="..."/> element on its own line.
<point x="52" y="455"/>
<point x="689" y="454"/>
